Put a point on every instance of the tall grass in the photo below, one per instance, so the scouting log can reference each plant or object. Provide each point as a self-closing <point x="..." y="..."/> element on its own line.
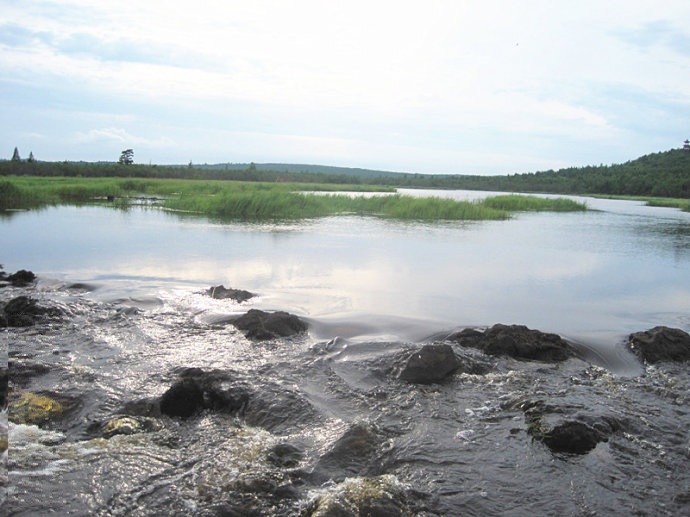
<point x="233" y="200"/>
<point x="520" y="203"/>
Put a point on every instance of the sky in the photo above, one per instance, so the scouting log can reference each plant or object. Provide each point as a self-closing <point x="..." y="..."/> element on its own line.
<point x="434" y="86"/>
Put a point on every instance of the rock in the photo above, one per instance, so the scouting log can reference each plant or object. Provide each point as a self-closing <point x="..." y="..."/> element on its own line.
<point x="3" y="388"/>
<point x="198" y="390"/>
<point x="285" y="455"/>
<point x="24" y="312"/>
<point x="126" y="425"/>
<point x="21" y="278"/>
<point x="563" y="431"/>
<point x="661" y="344"/>
<point x="22" y="371"/>
<point x="352" y="454"/>
<point x="39" y="408"/>
<point x="221" y="293"/>
<point x="432" y="363"/>
<point x="518" y="342"/>
<point x="183" y="399"/>
<point x="570" y="436"/>
<point x="380" y="496"/>
<point x="260" y="325"/>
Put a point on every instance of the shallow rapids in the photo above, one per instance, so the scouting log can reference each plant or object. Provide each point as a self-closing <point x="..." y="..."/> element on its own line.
<point x="326" y="426"/>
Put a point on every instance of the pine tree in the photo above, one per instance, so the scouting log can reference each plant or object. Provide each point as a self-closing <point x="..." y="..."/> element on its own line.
<point x="15" y="155"/>
<point x="31" y="157"/>
<point x="127" y="157"/>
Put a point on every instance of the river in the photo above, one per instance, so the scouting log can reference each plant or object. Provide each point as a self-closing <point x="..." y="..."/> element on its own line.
<point x="132" y="281"/>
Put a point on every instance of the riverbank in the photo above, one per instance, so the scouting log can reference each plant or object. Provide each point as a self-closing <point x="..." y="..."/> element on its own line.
<point x="132" y="408"/>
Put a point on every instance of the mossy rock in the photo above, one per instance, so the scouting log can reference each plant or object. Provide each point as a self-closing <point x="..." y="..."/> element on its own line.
<point x="127" y="425"/>
<point x="382" y="495"/>
<point x="39" y="408"/>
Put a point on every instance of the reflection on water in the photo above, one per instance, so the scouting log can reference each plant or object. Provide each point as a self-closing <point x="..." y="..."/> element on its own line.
<point x="618" y="268"/>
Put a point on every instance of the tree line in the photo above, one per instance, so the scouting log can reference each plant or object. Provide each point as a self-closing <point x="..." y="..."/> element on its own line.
<point x="663" y="174"/>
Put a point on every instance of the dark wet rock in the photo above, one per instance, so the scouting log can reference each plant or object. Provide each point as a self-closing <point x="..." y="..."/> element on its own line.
<point x="563" y="432"/>
<point x="40" y="408"/>
<point x="518" y="342"/>
<point x="3" y="387"/>
<point x="183" y="399"/>
<point x="352" y="454"/>
<point x="570" y="436"/>
<point x="271" y="406"/>
<point x="432" y="363"/>
<point x="21" y="278"/>
<point x="23" y="311"/>
<point x="220" y="292"/>
<point x="260" y="325"/>
<point x="661" y="344"/>
<point x="22" y="371"/>
<point x="286" y="455"/>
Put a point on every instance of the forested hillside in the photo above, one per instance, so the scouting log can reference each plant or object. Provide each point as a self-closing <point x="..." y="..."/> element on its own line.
<point x="664" y="174"/>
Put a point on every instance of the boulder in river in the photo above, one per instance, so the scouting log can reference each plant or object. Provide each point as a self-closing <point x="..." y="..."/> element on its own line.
<point x="24" y="311"/>
<point x="383" y="496"/>
<point x="220" y="292"/>
<point x="518" y="342"/>
<point x="39" y="408"/>
<point x="260" y="325"/>
<point x="564" y="432"/>
<point x="661" y="344"/>
<point x="432" y="363"/>
<point x="21" y="278"/>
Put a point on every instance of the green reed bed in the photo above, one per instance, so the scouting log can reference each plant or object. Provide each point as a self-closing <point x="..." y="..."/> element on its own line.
<point x="522" y="203"/>
<point x="234" y="200"/>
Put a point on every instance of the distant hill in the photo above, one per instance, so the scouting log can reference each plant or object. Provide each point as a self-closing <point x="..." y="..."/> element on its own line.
<point x="302" y="168"/>
<point x="665" y="174"/>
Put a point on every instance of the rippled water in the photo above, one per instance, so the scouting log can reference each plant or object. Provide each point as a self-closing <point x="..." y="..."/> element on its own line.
<point x="371" y="291"/>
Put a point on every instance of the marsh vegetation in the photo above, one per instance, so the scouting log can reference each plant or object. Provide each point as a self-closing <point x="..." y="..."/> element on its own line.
<point x="233" y="200"/>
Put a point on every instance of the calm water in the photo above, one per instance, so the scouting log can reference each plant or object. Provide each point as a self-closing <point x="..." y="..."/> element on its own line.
<point x="618" y="268"/>
<point x="371" y="290"/>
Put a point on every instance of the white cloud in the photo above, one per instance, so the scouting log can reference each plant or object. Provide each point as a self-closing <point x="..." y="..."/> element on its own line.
<point x="121" y="136"/>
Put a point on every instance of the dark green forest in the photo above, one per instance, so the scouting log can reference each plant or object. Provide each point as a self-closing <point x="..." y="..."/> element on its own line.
<point x="662" y="174"/>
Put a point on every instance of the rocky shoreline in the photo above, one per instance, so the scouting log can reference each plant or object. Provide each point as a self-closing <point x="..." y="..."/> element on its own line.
<point x="357" y="466"/>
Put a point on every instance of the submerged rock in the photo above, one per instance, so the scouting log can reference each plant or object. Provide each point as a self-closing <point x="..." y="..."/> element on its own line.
<point x="261" y="326"/>
<point x="269" y="405"/>
<point x="352" y="454"/>
<point x="381" y="496"/>
<point x="127" y="425"/>
<point x="39" y="408"/>
<point x="220" y="292"/>
<point x="661" y="344"/>
<point x="285" y="455"/>
<point x="432" y="363"/>
<point x="3" y="387"/>
<point x="518" y="342"/>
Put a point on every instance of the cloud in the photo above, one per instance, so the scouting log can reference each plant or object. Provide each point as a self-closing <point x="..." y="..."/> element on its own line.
<point x="121" y="136"/>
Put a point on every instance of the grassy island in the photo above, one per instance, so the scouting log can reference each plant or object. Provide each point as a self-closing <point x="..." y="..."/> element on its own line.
<point x="237" y="200"/>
